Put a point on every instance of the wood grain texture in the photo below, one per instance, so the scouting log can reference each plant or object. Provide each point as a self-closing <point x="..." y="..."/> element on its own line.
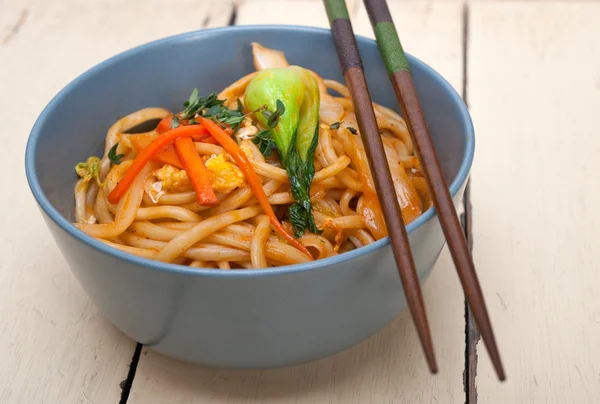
<point x="55" y="347"/>
<point x="534" y="90"/>
<point x="295" y="12"/>
<point x="389" y="367"/>
<point x="431" y="31"/>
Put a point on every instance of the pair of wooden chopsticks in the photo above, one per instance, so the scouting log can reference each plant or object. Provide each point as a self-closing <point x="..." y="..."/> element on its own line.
<point x="397" y="66"/>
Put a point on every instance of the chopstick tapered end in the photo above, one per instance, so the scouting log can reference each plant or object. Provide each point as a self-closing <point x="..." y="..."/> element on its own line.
<point x="432" y="365"/>
<point x="497" y="362"/>
<point x="426" y="342"/>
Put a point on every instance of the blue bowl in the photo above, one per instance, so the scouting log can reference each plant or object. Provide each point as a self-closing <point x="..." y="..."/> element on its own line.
<point x="239" y="318"/>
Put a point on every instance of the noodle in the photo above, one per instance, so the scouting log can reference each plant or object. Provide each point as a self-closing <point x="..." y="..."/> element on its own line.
<point x="160" y="217"/>
<point x="167" y="212"/>
<point x="259" y="241"/>
<point x="125" y="213"/>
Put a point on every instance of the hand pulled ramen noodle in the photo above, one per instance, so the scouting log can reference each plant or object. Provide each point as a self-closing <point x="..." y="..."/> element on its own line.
<point x="270" y="172"/>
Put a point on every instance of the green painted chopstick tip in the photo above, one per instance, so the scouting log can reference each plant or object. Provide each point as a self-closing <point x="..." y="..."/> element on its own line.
<point x="336" y="9"/>
<point x="390" y="47"/>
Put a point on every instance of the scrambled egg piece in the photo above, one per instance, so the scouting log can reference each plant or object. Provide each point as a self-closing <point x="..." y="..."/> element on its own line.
<point x="225" y="176"/>
<point x="173" y="180"/>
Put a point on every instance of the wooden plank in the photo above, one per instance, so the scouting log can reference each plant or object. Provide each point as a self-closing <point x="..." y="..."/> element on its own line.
<point x="295" y="12"/>
<point x="55" y="347"/>
<point x="534" y="88"/>
<point x="431" y="31"/>
<point x="388" y="367"/>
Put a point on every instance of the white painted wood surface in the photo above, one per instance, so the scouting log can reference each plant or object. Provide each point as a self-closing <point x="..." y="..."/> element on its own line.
<point x="534" y="90"/>
<point x="389" y="367"/>
<point x="55" y="347"/>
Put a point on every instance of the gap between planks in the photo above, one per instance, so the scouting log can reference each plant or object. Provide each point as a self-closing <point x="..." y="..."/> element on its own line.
<point x="471" y="333"/>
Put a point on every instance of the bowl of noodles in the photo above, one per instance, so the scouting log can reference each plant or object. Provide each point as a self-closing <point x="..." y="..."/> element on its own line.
<point x="210" y="192"/>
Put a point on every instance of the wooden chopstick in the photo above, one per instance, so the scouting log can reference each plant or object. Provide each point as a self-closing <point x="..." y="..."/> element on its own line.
<point x="351" y="65"/>
<point x="398" y="69"/>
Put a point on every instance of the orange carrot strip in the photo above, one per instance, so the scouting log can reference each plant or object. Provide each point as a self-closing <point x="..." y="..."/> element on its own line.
<point x="196" y="171"/>
<point x="167" y="156"/>
<point x="148" y="154"/>
<point x="242" y="161"/>
<point x="206" y="139"/>
<point x="165" y="125"/>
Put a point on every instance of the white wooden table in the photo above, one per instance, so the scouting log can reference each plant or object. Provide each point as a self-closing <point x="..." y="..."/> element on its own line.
<point x="530" y="71"/>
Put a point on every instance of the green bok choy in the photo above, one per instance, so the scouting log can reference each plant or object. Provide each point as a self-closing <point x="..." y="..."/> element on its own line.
<point x="293" y="94"/>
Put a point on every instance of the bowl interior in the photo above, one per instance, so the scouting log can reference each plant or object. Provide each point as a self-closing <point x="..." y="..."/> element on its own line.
<point x="163" y="73"/>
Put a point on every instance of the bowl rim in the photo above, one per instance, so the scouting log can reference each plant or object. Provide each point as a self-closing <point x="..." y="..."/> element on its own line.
<point x="47" y="207"/>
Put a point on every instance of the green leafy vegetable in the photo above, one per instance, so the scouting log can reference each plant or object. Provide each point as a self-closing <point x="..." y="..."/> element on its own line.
<point x="298" y="218"/>
<point x="308" y="124"/>
<point x="265" y="89"/>
<point x="300" y="185"/>
<point x="293" y="96"/>
<point x="352" y="130"/>
<point x="307" y="138"/>
<point x="90" y="169"/>
<point x="113" y="156"/>
<point x="175" y="122"/>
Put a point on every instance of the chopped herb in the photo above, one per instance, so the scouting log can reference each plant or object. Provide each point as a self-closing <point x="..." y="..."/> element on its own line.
<point x="175" y="122"/>
<point x="196" y="105"/>
<point x="193" y="98"/>
<point x="336" y="125"/>
<point x="215" y="109"/>
<point x="264" y="141"/>
<point x="273" y="117"/>
<point x="230" y="119"/>
<point x="264" y="138"/>
<point x="113" y="156"/>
